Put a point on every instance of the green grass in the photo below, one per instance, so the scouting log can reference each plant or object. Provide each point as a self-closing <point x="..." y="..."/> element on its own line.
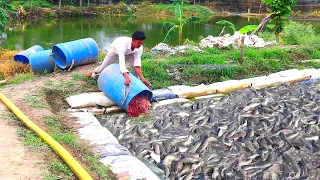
<point x="19" y="78"/>
<point x="214" y="65"/>
<point x="101" y="57"/>
<point x="81" y="77"/>
<point x="61" y="167"/>
<point x="96" y="166"/>
<point x="140" y="120"/>
<point x="62" y="135"/>
<point x="36" y="101"/>
<point x="48" y="82"/>
<point x="9" y="116"/>
<point x="58" y="170"/>
<point x="30" y="138"/>
<point x="78" y="84"/>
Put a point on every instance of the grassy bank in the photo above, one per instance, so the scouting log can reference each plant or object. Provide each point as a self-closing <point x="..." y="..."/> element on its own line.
<point x="121" y="9"/>
<point x="213" y="64"/>
<point x="298" y="43"/>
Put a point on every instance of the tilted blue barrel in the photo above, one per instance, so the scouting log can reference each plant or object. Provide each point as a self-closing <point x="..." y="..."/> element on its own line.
<point x="42" y="62"/>
<point x="82" y="51"/>
<point x="24" y="56"/>
<point x="111" y="83"/>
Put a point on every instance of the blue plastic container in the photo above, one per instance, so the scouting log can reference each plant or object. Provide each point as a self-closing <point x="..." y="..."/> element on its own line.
<point x="41" y="62"/>
<point x="24" y="56"/>
<point x="111" y="83"/>
<point x="82" y="51"/>
<point x="310" y="81"/>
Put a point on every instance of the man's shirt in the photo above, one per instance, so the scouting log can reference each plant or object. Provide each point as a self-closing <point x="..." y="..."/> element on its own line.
<point x="122" y="47"/>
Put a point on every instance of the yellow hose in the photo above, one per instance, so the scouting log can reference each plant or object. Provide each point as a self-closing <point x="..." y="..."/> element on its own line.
<point x="76" y="168"/>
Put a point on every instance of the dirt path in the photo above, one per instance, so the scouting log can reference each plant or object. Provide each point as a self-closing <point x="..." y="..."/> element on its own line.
<point x="16" y="161"/>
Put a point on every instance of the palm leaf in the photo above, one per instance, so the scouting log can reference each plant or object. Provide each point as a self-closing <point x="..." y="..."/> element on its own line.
<point x="178" y="12"/>
<point x="166" y="26"/>
<point x="248" y="28"/>
<point x="227" y="24"/>
<point x="192" y="19"/>
<point x="170" y="33"/>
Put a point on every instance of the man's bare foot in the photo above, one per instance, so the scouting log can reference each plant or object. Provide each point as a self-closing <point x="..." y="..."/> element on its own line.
<point x="88" y="74"/>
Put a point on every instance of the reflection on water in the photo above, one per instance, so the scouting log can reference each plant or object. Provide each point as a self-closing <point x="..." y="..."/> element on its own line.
<point x="104" y="30"/>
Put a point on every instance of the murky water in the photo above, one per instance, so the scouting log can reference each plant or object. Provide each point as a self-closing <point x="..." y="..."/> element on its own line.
<point x="104" y="30"/>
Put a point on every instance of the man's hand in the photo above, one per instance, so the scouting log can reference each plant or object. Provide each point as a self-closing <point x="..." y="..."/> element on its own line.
<point x="146" y="82"/>
<point x="127" y="81"/>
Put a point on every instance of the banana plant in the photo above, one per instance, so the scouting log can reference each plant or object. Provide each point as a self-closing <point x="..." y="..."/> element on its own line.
<point x="172" y="27"/>
<point x="227" y="24"/>
<point x="5" y="8"/>
<point x="243" y="30"/>
<point x="248" y="28"/>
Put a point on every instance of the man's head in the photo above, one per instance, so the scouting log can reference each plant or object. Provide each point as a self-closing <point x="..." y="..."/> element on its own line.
<point x="137" y="39"/>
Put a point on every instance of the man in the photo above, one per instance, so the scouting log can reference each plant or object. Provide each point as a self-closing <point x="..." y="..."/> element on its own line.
<point x="124" y="47"/>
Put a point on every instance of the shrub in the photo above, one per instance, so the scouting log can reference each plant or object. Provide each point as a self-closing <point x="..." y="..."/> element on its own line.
<point x="267" y="36"/>
<point x="298" y="33"/>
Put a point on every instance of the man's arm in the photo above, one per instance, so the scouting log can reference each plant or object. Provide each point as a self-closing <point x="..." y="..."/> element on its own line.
<point x="138" y="70"/>
<point x="123" y="68"/>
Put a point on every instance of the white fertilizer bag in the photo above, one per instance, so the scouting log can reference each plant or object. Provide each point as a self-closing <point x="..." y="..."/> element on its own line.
<point x="89" y="100"/>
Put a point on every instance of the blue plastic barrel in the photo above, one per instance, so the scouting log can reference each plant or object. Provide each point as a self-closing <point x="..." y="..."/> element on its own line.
<point x="82" y="51"/>
<point x="24" y="56"/>
<point x="41" y="62"/>
<point x="111" y="83"/>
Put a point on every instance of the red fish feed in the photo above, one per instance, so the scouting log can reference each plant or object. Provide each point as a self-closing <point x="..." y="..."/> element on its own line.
<point x="138" y="105"/>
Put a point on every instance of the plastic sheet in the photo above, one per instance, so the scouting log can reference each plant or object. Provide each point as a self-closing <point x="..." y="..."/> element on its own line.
<point x="136" y="169"/>
<point x="229" y="86"/>
<point x="228" y="40"/>
<point x="163" y="48"/>
<point x="97" y="110"/>
<point x="163" y="94"/>
<point x="85" y="118"/>
<point x="169" y="101"/>
<point x="111" y="149"/>
<point x="191" y="92"/>
<point x="97" y="135"/>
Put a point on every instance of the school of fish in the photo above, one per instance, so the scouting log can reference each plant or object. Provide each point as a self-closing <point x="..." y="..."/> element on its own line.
<point x="250" y="134"/>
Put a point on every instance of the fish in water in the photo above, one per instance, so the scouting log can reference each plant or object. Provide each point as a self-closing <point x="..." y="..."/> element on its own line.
<point x="270" y="133"/>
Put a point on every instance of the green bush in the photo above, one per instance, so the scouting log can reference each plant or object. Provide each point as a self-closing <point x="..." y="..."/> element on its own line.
<point x="267" y="36"/>
<point x="298" y="33"/>
<point x="181" y="1"/>
<point x="32" y="3"/>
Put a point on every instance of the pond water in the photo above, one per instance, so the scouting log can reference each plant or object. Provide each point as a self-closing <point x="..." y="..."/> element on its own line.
<point x="104" y="30"/>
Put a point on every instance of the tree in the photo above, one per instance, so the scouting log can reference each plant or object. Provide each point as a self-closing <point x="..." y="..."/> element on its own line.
<point x="244" y="30"/>
<point x="182" y="21"/>
<point x="278" y="9"/>
<point x="5" y="9"/>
